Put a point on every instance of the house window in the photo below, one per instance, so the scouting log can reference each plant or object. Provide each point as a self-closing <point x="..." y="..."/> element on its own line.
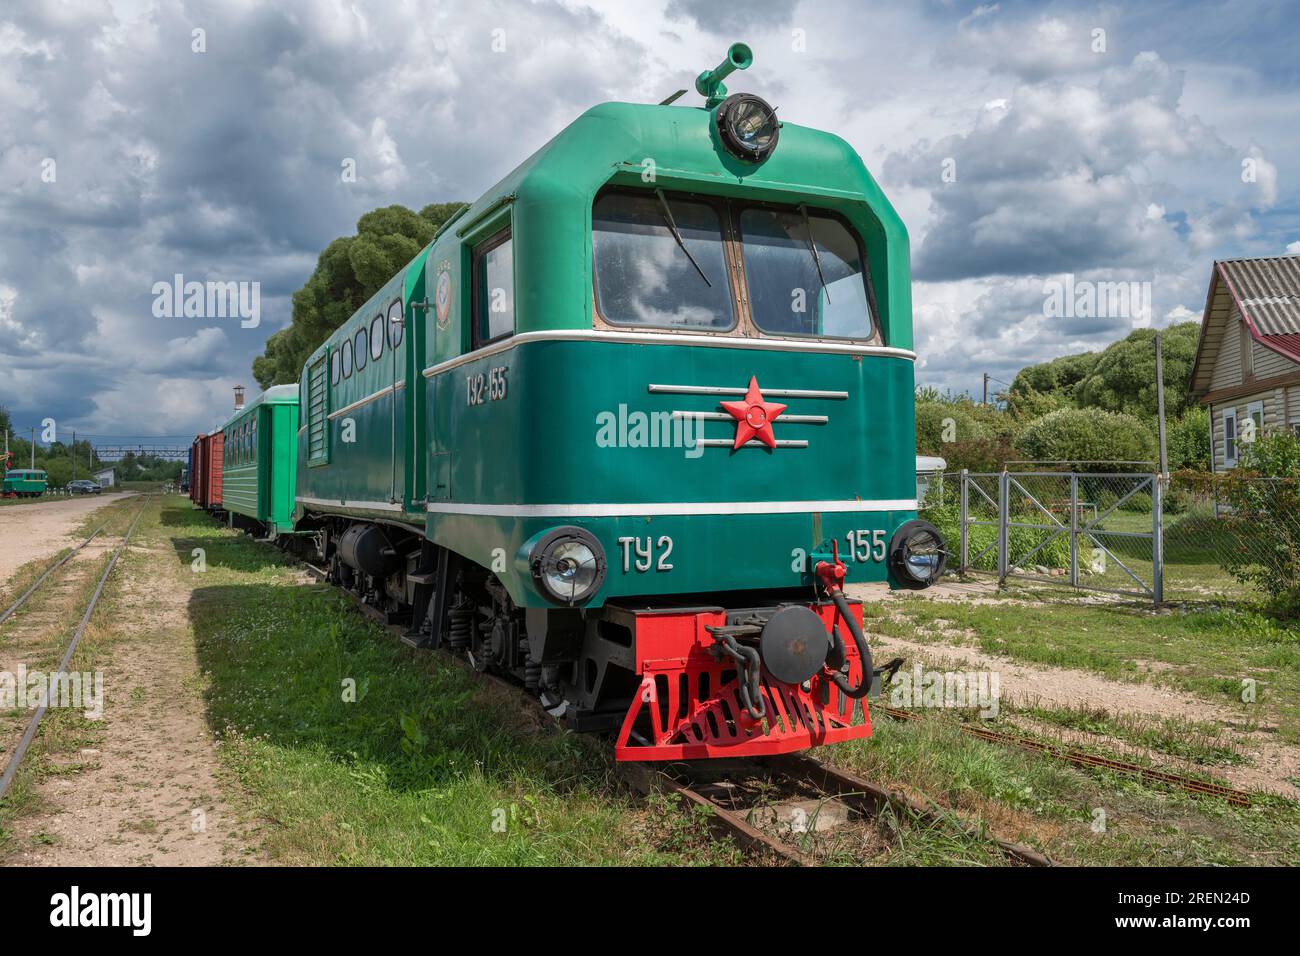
<point x="494" y="290"/>
<point x="1255" y="412"/>
<point x="1230" y="438"/>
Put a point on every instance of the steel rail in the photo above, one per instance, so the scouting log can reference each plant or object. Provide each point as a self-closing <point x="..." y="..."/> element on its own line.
<point x="1079" y="758"/>
<point x="9" y="611"/>
<point x="29" y="735"/>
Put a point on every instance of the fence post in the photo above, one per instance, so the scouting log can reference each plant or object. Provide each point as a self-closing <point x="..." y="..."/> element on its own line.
<point x="1074" y="529"/>
<point x="1157" y="540"/>
<point x="964" y="513"/>
<point x="1004" y="516"/>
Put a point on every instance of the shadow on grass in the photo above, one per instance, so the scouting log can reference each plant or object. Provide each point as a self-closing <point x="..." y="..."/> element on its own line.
<point x="283" y="660"/>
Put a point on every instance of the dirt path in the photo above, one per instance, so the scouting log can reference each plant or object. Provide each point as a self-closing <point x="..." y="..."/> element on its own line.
<point x="1275" y="764"/>
<point x="146" y="789"/>
<point x="44" y="528"/>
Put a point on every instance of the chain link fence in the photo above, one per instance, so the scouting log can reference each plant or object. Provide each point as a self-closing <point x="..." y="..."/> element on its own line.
<point x="1189" y="536"/>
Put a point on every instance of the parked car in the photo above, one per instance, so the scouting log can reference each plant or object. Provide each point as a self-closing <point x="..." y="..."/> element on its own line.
<point x="83" y="486"/>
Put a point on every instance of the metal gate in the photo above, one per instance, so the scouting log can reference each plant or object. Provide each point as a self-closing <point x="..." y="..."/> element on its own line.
<point x="1086" y="530"/>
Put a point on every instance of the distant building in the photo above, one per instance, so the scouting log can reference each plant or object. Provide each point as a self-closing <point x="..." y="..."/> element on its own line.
<point x="1248" y="357"/>
<point x="104" y="478"/>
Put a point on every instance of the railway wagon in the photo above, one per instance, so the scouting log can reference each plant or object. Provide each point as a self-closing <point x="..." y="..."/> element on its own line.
<point x="259" y="462"/>
<point x="24" y="483"/>
<point x="205" y="482"/>
<point x="628" y="425"/>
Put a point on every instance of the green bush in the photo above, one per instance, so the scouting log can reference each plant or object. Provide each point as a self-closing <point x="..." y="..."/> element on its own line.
<point x="1020" y="541"/>
<point x="942" y="424"/>
<point x="1187" y="440"/>
<point x="1088" y="436"/>
<point x="1263" y="495"/>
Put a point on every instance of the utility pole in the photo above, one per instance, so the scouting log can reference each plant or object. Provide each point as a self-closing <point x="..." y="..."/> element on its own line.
<point x="1160" y="405"/>
<point x="74" y="454"/>
<point x="986" y="388"/>
<point x="33" y="448"/>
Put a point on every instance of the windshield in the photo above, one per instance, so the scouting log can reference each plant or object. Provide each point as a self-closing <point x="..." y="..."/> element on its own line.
<point x="644" y="278"/>
<point x="785" y="278"/>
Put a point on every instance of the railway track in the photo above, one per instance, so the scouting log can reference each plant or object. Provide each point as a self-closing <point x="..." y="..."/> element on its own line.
<point x="15" y="760"/>
<point x="819" y="796"/>
<point x="1081" y="758"/>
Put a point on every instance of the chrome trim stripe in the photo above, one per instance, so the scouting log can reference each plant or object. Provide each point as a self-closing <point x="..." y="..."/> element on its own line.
<point x="670" y="338"/>
<point x="726" y="417"/>
<point x="727" y="390"/>
<point x="752" y="443"/>
<point x="640" y="509"/>
<point x="359" y="505"/>
<point x="387" y="389"/>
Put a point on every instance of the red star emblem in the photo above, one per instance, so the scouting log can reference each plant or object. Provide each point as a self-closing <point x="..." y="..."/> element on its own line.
<point x="754" y="417"/>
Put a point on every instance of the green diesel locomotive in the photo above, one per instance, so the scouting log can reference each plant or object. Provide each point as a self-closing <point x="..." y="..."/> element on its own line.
<point x="627" y="425"/>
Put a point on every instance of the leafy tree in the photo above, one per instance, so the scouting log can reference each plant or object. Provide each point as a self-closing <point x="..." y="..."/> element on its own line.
<point x="1088" y="435"/>
<point x="1124" y="378"/>
<point x="1120" y="378"/>
<point x="1187" y="440"/>
<point x="348" y="272"/>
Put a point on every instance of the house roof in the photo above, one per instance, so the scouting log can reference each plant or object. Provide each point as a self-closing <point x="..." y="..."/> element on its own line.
<point x="1266" y="291"/>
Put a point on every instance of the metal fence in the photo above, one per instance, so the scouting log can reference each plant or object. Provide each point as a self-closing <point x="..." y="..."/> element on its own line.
<point x="1177" y="538"/>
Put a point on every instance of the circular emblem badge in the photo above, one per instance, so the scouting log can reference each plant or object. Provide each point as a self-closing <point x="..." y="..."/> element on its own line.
<point x="442" y="295"/>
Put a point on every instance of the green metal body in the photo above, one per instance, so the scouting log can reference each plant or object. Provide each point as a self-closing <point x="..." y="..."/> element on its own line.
<point x="486" y="480"/>
<point x="259" y="464"/>
<point x="25" y="481"/>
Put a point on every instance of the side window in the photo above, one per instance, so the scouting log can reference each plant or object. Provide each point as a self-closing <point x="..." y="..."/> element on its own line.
<point x="395" y="323"/>
<point x="359" y="340"/>
<point x="494" y="290"/>
<point x="334" y="367"/>
<point x="347" y="358"/>
<point x="377" y="337"/>
<point x="253" y="438"/>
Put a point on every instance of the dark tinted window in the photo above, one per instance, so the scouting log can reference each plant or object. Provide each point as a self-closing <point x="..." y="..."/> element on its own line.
<point x="395" y="324"/>
<point x="785" y="290"/>
<point x="360" y="342"/>
<point x="643" y="277"/>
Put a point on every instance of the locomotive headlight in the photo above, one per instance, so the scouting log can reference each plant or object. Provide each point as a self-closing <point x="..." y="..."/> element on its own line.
<point x="917" y="555"/>
<point x="748" y="127"/>
<point x="568" y="565"/>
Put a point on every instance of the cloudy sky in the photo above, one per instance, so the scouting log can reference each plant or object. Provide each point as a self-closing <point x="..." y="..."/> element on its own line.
<point x="1022" y="142"/>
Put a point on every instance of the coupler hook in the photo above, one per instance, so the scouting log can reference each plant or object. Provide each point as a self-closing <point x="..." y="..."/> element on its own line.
<point x="748" y="666"/>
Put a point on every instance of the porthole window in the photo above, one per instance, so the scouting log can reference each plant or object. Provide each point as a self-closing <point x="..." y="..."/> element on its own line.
<point x="377" y="337"/>
<point x="347" y="358"/>
<point x="394" y="324"/>
<point x="334" y="368"/>
<point x="360" y="341"/>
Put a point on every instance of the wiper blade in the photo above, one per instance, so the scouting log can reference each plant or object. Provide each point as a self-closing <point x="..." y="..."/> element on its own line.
<point x="672" y="227"/>
<point x="816" y="256"/>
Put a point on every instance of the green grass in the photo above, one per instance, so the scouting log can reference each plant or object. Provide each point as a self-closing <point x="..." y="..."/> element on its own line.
<point x="1200" y="742"/>
<point x="1053" y="806"/>
<point x="428" y="766"/>
<point x="1205" y="650"/>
